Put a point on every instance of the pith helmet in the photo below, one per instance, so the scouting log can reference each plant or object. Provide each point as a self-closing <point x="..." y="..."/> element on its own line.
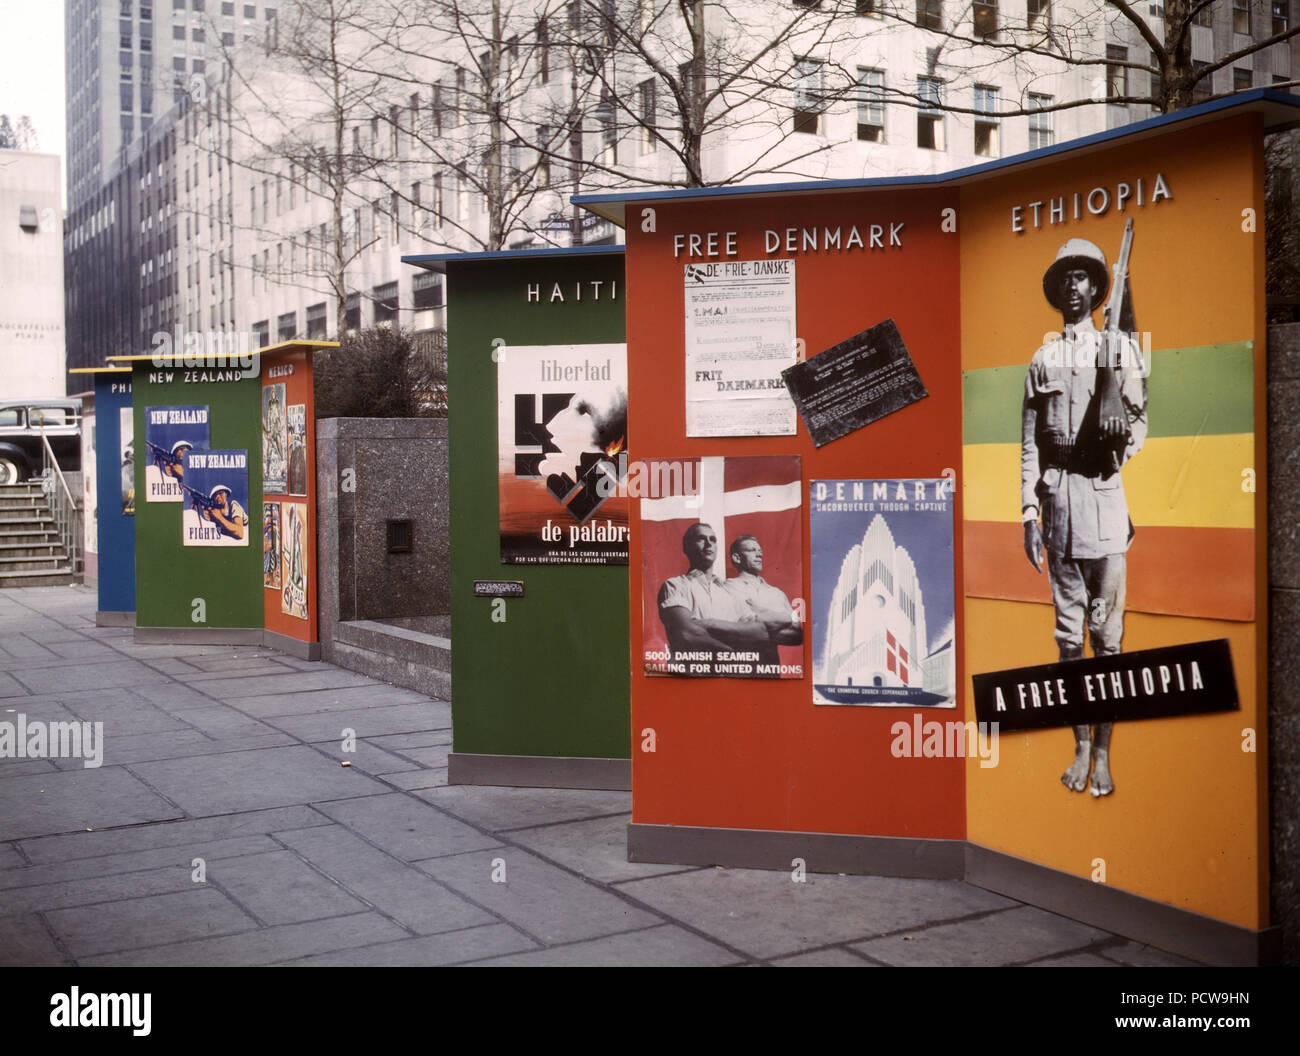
<point x="217" y="490"/>
<point x="1077" y="253"/>
<point x="176" y="447"/>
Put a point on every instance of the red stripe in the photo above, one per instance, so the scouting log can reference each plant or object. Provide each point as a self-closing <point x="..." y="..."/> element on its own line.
<point x="755" y="470"/>
<point x="1206" y="572"/>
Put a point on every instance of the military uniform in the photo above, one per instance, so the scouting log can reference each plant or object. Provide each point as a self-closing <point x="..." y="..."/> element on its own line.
<point x="1086" y="525"/>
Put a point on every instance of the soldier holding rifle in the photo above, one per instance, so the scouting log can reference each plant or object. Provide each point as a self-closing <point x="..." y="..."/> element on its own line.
<point x="1084" y="416"/>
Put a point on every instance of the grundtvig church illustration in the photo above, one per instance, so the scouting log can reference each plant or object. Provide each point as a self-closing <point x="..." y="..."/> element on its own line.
<point x="877" y="632"/>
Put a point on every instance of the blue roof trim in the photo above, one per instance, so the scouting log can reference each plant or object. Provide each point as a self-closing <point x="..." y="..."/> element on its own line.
<point x="425" y="260"/>
<point x="1255" y="95"/>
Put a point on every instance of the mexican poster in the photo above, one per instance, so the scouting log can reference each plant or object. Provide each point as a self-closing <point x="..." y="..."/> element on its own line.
<point x="562" y="456"/>
<point x="168" y="433"/>
<point x="297" y="431"/>
<point x="722" y="569"/>
<point x="216" y="498"/>
<point x="293" y="554"/>
<point x="271" y="545"/>
<point x="126" y="437"/>
<point x="740" y="335"/>
<point x="275" y="457"/>
<point x="883" y="592"/>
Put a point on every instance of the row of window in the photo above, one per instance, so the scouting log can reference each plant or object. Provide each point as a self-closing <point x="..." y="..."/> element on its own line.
<point x="809" y="110"/>
<point x="426" y="294"/>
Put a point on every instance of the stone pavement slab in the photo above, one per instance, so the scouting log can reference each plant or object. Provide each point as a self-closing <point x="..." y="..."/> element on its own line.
<point x="280" y="888"/>
<point x="832" y="957"/>
<point x="367" y="722"/>
<point x="132" y="861"/>
<point x="406" y="828"/>
<point x="1013" y="936"/>
<point x="129" y="924"/>
<point x="252" y="780"/>
<point x="768" y="915"/>
<point x="546" y="902"/>
<point x="63" y="676"/>
<point x="28" y="943"/>
<point x="399" y="891"/>
<point x="596" y="847"/>
<point x="663" y="946"/>
<point x="501" y="809"/>
<point x="68" y="800"/>
<point x="453" y="947"/>
<point x="264" y="945"/>
<point x="367" y="757"/>
<point x="418" y="780"/>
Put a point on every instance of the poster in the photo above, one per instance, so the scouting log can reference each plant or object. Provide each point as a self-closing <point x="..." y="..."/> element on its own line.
<point x="882" y="592"/>
<point x="562" y="454"/>
<point x="293" y="551"/>
<point x="722" y="569"/>
<point x="275" y="450"/>
<point x="854" y="383"/>
<point x="126" y="437"/>
<point x="740" y="335"/>
<point x="271" y="579"/>
<point x="90" y="484"/>
<point x="297" y="430"/>
<point x="216" y="498"/>
<point x="168" y="433"/>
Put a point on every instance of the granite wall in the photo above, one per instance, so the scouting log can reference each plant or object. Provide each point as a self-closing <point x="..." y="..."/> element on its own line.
<point x="1284" y="633"/>
<point x="398" y="472"/>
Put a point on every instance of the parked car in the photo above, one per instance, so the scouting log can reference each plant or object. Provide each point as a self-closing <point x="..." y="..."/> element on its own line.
<point x="21" y="424"/>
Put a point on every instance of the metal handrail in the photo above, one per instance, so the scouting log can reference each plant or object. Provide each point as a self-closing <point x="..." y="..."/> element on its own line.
<point x="67" y="518"/>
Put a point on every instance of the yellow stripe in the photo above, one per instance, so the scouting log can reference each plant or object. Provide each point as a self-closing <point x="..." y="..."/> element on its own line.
<point x="1174" y="481"/>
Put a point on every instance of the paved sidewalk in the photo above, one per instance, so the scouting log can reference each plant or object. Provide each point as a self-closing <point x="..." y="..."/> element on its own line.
<point x="223" y="829"/>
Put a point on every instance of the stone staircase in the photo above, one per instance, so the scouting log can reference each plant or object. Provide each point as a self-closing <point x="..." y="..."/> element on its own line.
<point x="31" y="552"/>
<point x="412" y="652"/>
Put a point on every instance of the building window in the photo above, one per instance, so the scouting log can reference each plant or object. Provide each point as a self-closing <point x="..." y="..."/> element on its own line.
<point x="352" y="311"/>
<point x="807" y="95"/>
<point x="426" y="290"/>
<point x="286" y="326"/>
<point x="1241" y="79"/>
<point x="985" y="14"/>
<point x="437" y="198"/>
<point x="1203" y="88"/>
<point x="1116" y="75"/>
<point x="1241" y="16"/>
<point x="929" y="118"/>
<point x="1280" y="19"/>
<point x="178" y="32"/>
<point x="385" y="298"/>
<point x="929" y="14"/>
<point x="1204" y="16"/>
<point x="871" y="105"/>
<point x="865" y="9"/>
<point x="986" y="121"/>
<point x="647" y="112"/>
<point x="1039" y="15"/>
<point x="317" y="326"/>
<point x="1041" y="133"/>
<point x="263" y="332"/>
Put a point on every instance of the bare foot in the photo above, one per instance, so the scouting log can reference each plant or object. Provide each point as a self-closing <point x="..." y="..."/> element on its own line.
<point x="1076" y="778"/>
<point x="1101" y="784"/>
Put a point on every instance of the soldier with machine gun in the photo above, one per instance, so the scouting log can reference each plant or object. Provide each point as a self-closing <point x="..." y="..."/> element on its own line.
<point x="1084" y="416"/>
<point x="219" y="507"/>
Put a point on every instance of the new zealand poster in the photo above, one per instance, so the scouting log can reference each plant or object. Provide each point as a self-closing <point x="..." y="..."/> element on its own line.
<point x="722" y="571"/>
<point x="271" y="545"/>
<point x="297" y="431"/>
<point x="562" y="454"/>
<point x="168" y="433"/>
<point x="882" y="592"/>
<point x="275" y="458"/>
<point x="216" y="498"/>
<point x="293" y="551"/>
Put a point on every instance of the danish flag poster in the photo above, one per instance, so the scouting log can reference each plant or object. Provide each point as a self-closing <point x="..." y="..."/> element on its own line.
<point x="883" y="592"/>
<point x="722" y="568"/>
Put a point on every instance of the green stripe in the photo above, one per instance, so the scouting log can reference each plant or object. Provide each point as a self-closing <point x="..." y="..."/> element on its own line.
<point x="1209" y="390"/>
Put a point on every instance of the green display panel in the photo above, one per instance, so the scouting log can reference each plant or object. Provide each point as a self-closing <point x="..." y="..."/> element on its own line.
<point x="549" y="675"/>
<point x="197" y="586"/>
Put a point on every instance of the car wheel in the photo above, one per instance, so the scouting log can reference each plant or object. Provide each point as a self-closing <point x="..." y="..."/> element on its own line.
<point x="11" y="470"/>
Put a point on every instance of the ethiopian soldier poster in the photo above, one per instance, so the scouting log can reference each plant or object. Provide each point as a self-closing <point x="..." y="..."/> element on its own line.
<point x="168" y="433"/>
<point x="216" y="498"/>
<point x="275" y="456"/>
<point x="722" y="569"/>
<point x="293" y="551"/>
<point x="296" y="429"/>
<point x="882" y="592"/>
<point x="562" y="453"/>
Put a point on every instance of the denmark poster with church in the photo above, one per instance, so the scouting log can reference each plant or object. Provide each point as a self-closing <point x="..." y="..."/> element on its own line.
<point x="883" y="592"/>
